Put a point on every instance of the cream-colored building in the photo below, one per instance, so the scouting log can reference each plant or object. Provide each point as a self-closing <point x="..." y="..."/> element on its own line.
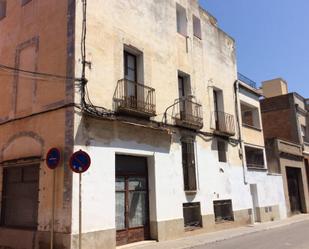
<point x="159" y="115"/>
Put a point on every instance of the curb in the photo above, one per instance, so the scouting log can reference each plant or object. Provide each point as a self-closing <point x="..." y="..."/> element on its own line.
<point x="246" y="233"/>
<point x="255" y="229"/>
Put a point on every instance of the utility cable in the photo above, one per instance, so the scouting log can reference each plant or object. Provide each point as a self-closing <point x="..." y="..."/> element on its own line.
<point x="17" y="70"/>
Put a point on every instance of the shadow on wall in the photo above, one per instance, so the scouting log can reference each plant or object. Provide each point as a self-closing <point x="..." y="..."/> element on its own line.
<point x="107" y="133"/>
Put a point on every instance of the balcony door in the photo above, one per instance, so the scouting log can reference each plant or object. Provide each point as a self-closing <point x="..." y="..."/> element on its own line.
<point x="185" y="104"/>
<point x="132" y="209"/>
<point x="130" y="76"/>
<point x="219" y="115"/>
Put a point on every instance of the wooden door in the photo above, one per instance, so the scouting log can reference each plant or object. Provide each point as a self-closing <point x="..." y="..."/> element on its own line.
<point x="130" y="75"/>
<point x="294" y="189"/>
<point x="132" y="211"/>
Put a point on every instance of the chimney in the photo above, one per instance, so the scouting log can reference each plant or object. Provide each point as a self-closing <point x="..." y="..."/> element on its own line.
<point x="274" y="87"/>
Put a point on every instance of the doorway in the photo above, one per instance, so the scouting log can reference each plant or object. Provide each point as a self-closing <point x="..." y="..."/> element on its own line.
<point x="294" y="184"/>
<point x="132" y="202"/>
<point x="255" y="203"/>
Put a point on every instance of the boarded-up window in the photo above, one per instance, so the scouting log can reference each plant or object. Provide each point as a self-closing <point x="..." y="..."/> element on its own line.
<point x="221" y="151"/>
<point x="20" y="197"/>
<point x="223" y="210"/>
<point x="2" y="9"/>
<point x="26" y="85"/>
<point x="23" y="2"/>
<point x="181" y="20"/>
<point x="192" y="215"/>
<point x="188" y="164"/>
<point x="197" y="30"/>
<point x="254" y="157"/>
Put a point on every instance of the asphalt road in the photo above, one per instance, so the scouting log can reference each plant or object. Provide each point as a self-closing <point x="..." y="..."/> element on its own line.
<point x="295" y="236"/>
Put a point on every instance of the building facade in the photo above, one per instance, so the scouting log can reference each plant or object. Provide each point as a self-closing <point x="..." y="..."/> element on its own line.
<point x="174" y="137"/>
<point x="285" y="121"/>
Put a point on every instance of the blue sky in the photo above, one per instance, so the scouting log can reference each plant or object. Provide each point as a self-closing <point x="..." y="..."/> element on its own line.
<point x="272" y="38"/>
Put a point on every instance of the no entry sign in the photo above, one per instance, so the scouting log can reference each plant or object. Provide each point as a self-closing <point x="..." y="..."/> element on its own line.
<point x="80" y="162"/>
<point x="53" y="158"/>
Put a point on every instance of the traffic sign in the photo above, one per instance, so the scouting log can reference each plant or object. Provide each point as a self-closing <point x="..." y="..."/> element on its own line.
<point x="80" y="161"/>
<point x="53" y="158"/>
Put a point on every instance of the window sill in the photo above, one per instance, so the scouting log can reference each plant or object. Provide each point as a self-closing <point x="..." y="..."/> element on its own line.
<point x="192" y="228"/>
<point x="256" y="169"/>
<point x="182" y="35"/>
<point x="198" y="38"/>
<point x="252" y="127"/>
<point x="190" y="192"/>
<point x="224" y="222"/>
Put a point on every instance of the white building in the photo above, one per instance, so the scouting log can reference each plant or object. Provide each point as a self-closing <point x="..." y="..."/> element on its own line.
<point x="169" y="159"/>
<point x="175" y="139"/>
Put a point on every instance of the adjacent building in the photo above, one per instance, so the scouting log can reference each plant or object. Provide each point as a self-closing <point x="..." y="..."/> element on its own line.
<point x="175" y="138"/>
<point x="285" y="121"/>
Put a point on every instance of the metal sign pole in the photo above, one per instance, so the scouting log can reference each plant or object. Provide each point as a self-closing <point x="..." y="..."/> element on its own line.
<point x="53" y="212"/>
<point x="80" y="211"/>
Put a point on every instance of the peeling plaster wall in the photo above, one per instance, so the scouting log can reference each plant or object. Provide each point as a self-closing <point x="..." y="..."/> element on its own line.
<point x="105" y="139"/>
<point x="34" y="37"/>
<point x="150" y="27"/>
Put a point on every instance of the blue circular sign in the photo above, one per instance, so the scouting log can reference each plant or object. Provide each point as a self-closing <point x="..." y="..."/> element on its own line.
<point x="80" y="162"/>
<point x="53" y="158"/>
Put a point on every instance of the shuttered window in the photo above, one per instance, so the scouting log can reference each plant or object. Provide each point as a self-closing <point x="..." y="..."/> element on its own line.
<point x="188" y="164"/>
<point x="20" y="197"/>
<point x="223" y="211"/>
<point x="192" y="215"/>
<point x="221" y="151"/>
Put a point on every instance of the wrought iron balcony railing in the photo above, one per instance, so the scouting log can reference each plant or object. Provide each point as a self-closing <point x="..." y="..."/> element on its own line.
<point x="223" y="123"/>
<point x="134" y="99"/>
<point x="187" y="113"/>
<point x="246" y="80"/>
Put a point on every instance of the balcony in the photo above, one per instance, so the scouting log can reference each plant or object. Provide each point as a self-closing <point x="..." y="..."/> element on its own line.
<point x="132" y="98"/>
<point x="223" y="123"/>
<point x="187" y="113"/>
<point x="247" y="81"/>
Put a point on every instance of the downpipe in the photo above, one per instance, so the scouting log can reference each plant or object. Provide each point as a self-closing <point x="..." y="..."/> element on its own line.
<point x="241" y="144"/>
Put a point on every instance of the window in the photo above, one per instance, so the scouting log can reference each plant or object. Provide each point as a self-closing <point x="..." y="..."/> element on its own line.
<point x="197" y="31"/>
<point x="304" y="134"/>
<point x="223" y="211"/>
<point x="188" y="164"/>
<point x="181" y="19"/>
<point x="250" y="116"/>
<point x="20" y="197"/>
<point x="254" y="157"/>
<point x="130" y="67"/>
<point x="192" y="215"/>
<point x="307" y="171"/>
<point x="221" y="145"/>
<point x="133" y="64"/>
<point x="2" y="9"/>
<point x="24" y="2"/>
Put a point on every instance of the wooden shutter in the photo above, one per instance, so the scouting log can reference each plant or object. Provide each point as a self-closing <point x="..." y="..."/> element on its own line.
<point x="188" y="163"/>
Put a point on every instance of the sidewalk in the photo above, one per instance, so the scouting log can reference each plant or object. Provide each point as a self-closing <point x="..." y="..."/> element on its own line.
<point x="207" y="238"/>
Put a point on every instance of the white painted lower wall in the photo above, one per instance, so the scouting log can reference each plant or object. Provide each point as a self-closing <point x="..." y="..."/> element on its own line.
<point x="166" y="195"/>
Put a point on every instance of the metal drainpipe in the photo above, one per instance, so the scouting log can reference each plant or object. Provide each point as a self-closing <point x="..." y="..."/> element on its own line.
<point x="237" y="105"/>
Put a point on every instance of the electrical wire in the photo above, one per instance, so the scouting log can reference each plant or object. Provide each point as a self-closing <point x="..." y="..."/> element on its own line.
<point x="18" y="70"/>
<point x="86" y="103"/>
